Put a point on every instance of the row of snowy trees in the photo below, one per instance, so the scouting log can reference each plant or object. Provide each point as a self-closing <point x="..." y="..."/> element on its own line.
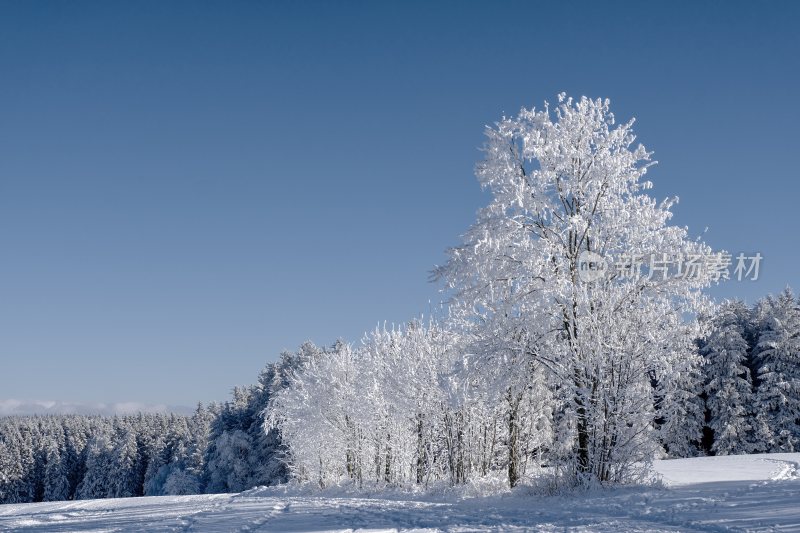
<point x="414" y="405"/>
<point x="534" y="365"/>
<point x="220" y="448"/>
<point x="399" y="409"/>
<point x="570" y="346"/>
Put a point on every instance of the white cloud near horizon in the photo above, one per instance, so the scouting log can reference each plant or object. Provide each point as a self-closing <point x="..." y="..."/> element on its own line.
<point x="12" y="407"/>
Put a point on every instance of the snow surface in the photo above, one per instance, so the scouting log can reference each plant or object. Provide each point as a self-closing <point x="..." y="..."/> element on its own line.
<point x="730" y="493"/>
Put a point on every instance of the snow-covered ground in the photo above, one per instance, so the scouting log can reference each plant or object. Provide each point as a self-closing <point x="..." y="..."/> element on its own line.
<point x="741" y="493"/>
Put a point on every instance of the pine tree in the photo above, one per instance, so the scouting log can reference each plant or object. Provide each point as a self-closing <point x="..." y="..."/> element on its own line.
<point x="123" y="475"/>
<point x="97" y="482"/>
<point x="680" y="409"/>
<point x="778" y="378"/>
<point x="56" y="476"/>
<point x="728" y="387"/>
<point x="11" y="471"/>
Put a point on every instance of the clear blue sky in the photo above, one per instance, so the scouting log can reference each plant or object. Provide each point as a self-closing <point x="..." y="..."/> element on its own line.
<point x="188" y="188"/>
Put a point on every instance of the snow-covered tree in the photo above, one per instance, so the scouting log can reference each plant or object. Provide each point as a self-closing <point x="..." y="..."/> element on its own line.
<point x="728" y="390"/>
<point x="680" y="409"/>
<point x="11" y="472"/>
<point x="229" y="466"/>
<point x="512" y="390"/>
<point x="125" y="456"/>
<point x="567" y="183"/>
<point x="314" y="416"/>
<point x="56" y="475"/>
<point x="181" y="481"/>
<point x="97" y="482"/>
<point x="777" y="397"/>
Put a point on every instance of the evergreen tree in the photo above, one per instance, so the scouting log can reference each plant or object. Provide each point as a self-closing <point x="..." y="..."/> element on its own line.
<point x="728" y="387"/>
<point x="123" y="474"/>
<point x="56" y="476"/>
<point x="97" y="482"/>
<point x="778" y="379"/>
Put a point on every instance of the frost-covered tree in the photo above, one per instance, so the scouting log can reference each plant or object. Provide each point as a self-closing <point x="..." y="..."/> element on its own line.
<point x="777" y="397"/>
<point x="314" y="416"/>
<point x="728" y="390"/>
<point x="680" y="412"/>
<point x="11" y="472"/>
<point x="420" y="410"/>
<point x="125" y="456"/>
<point x="564" y="182"/>
<point x="229" y="461"/>
<point x="229" y="466"/>
<point x="197" y="438"/>
<point x="512" y="390"/>
<point x="97" y="482"/>
<point x="239" y="454"/>
<point x="181" y="481"/>
<point x="56" y="475"/>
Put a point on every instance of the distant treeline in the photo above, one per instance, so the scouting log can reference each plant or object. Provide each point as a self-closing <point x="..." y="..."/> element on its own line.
<point x="220" y="448"/>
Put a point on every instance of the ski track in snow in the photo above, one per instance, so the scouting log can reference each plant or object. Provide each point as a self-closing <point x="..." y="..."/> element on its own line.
<point x="733" y="493"/>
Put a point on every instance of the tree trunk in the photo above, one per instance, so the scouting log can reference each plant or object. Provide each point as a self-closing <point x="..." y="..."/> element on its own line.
<point x="582" y="426"/>
<point x="420" y="451"/>
<point x="387" y="472"/>
<point x="513" y="440"/>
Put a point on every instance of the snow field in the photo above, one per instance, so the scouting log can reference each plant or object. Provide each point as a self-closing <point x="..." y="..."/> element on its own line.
<point x="727" y="493"/>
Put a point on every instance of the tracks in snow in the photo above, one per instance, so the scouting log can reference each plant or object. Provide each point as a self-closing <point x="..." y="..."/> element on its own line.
<point x="788" y="469"/>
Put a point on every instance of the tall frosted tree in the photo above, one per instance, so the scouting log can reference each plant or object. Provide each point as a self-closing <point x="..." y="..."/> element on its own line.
<point x="680" y="414"/>
<point x="729" y="387"/>
<point x="566" y="181"/>
<point x="123" y="482"/>
<point x="10" y="473"/>
<point x="56" y="476"/>
<point x="230" y="459"/>
<point x="778" y="375"/>
<point x="97" y="482"/>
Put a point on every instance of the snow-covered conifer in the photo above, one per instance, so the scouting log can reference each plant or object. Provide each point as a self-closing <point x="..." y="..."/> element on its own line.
<point x="728" y="389"/>
<point x="777" y="397"/>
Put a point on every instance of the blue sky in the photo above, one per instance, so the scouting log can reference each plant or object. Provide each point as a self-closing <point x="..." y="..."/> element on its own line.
<point x="189" y="188"/>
